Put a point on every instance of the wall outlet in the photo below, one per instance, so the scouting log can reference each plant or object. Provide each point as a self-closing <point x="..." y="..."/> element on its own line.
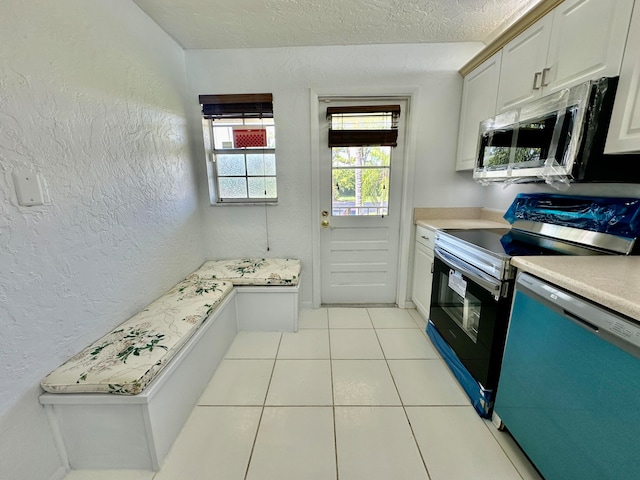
<point x="29" y="188"/>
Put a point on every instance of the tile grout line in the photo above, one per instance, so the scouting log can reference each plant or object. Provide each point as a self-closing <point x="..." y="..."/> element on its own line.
<point x="404" y="409"/>
<point x="333" y="400"/>
<point x="488" y="427"/>
<point x="255" y="438"/>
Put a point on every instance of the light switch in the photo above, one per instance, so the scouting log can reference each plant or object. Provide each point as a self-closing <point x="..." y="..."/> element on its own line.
<point x="28" y="188"/>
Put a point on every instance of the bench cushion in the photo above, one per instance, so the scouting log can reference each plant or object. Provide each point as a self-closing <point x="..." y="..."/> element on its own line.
<point x="125" y="360"/>
<point x="252" y="271"/>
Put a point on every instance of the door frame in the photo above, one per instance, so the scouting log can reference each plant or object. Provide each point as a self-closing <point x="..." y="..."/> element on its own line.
<point x="407" y="184"/>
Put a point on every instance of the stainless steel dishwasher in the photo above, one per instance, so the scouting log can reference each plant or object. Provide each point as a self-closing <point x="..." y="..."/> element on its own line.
<point x="569" y="390"/>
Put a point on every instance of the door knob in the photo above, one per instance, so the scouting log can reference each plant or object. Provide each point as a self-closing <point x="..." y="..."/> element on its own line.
<point x="324" y="223"/>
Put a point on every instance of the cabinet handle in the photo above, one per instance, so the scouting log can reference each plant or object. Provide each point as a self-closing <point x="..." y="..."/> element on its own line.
<point x="426" y="238"/>
<point x="536" y="77"/>
<point x="544" y="76"/>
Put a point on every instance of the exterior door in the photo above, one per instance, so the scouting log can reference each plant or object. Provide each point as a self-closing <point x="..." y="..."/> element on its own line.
<point x="360" y="198"/>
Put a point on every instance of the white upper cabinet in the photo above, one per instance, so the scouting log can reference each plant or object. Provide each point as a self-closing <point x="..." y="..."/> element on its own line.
<point x="480" y="90"/>
<point x="624" y="131"/>
<point x="578" y="41"/>
<point x="523" y="60"/>
<point x="587" y="41"/>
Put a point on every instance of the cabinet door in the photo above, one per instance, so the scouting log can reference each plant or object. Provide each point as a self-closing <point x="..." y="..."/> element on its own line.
<point x="587" y="41"/>
<point x="523" y="60"/>
<point x="624" y="130"/>
<point x="479" y="93"/>
<point x="422" y="278"/>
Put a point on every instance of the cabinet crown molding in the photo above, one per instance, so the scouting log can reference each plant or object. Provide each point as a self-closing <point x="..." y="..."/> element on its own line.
<point x="528" y="19"/>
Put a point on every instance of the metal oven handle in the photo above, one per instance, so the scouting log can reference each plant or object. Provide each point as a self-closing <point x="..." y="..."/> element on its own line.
<point x="485" y="281"/>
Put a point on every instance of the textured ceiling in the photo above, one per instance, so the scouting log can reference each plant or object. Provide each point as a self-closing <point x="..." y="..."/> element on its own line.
<point x="280" y="23"/>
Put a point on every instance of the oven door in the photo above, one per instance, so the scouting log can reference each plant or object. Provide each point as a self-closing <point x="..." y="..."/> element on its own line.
<point x="470" y="311"/>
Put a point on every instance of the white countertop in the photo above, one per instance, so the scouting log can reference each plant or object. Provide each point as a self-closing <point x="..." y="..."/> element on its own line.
<point x="611" y="281"/>
<point x="443" y="223"/>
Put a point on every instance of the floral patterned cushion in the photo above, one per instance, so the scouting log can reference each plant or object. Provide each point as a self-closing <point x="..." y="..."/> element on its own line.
<point x="125" y="360"/>
<point x="252" y="271"/>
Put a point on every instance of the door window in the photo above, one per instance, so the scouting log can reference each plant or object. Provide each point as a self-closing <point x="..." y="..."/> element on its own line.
<point x="360" y="139"/>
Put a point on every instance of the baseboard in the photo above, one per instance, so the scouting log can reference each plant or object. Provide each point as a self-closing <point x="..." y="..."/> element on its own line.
<point x="59" y="474"/>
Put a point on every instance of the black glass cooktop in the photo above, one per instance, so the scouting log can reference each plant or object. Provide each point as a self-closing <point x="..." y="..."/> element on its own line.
<point x="500" y="241"/>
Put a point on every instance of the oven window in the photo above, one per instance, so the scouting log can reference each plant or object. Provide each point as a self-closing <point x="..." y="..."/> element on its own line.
<point x="460" y="305"/>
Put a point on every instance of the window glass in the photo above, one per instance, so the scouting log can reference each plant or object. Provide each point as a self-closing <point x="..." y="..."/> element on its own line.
<point x="360" y="178"/>
<point x="361" y="139"/>
<point x="362" y="121"/>
<point x="261" y="164"/>
<point x="232" y="187"/>
<point x="241" y="174"/>
<point x="231" y="165"/>
<point x="262" y="187"/>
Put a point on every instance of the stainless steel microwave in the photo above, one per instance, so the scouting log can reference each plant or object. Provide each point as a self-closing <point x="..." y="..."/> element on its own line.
<point x="557" y="139"/>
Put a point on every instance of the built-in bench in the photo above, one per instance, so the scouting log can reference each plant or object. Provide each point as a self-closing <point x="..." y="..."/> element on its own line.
<point x="121" y="402"/>
<point x="267" y="290"/>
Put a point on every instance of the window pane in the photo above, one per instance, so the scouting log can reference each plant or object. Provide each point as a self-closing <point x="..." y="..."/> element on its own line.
<point x="271" y="137"/>
<point x="258" y="186"/>
<point x="232" y="187"/>
<point x="230" y="165"/>
<point x="223" y="133"/>
<point x="259" y="164"/>
<point x="258" y="121"/>
<point x="242" y="174"/>
<point x="359" y="191"/>
<point x="361" y="121"/>
<point x="361" y="156"/>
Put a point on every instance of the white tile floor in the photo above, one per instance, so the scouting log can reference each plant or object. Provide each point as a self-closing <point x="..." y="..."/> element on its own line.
<point x="357" y="393"/>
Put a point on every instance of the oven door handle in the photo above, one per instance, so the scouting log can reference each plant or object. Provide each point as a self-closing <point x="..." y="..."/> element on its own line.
<point x="478" y="276"/>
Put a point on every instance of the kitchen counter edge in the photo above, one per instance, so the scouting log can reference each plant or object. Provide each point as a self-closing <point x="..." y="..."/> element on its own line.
<point x="611" y="281"/>
<point x="463" y="223"/>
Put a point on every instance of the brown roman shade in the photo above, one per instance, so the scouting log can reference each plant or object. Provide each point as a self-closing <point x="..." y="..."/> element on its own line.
<point x="253" y="105"/>
<point x="357" y="126"/>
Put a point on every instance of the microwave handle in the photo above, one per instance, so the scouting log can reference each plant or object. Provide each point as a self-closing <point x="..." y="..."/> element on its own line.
<point x="487" y="282"/>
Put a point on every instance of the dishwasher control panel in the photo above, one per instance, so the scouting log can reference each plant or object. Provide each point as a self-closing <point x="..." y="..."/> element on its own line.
<point x="612" y="327"/>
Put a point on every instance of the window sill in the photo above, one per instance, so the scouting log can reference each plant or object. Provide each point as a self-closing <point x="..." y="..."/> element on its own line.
<point x="244" y="204"/>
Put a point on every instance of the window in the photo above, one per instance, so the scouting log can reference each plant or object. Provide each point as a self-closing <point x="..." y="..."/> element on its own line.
<point x="360" y="139"/>
<point x="239" y="137"/>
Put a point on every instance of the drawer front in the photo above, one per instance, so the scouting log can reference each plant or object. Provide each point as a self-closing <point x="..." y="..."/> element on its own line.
<point x="425" y="236"/>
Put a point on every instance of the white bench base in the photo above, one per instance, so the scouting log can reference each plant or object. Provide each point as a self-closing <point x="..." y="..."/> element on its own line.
<point x="105" y="431"/>
<point x="268" y="308"/>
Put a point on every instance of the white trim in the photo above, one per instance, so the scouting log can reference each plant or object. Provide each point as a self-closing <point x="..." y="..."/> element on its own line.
<point x="405" y="247"/>
<point x="60" y="473"/>
<point x="410" y="95"/>
<point x="409" y="305"/>
<point x="315" y="198"/>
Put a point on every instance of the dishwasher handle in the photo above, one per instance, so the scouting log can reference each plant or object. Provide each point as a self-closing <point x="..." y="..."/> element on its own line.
<point x="613" y="328"/>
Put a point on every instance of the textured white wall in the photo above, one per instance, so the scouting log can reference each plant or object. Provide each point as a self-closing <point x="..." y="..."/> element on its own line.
<point x="430" y="70"/>
<point x="92" y="97"/>
<point x="500" y="197"/>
